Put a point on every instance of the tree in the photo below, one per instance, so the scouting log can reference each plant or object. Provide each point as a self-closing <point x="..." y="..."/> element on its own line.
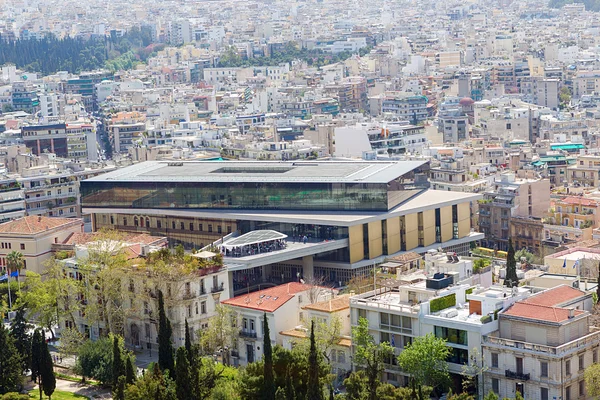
<point x="95" y="359"/>
<point x="70" y="341"/>
<point x="48" y="380"/>
<point x="315" y="390"/>
<point x="130" y="374"/>
<point x="14" y="260"/>
<point x="153" y="385"/>
<point x="598" y="286"/>
<point x="118" y="366"/>
<point x="119" y="388"/>
<point x="165" y="347"/>
<point x="425" y="361"/>
<point x="19" y="332"/>
<point x="564" y="96"/>
<point x="222" y="331"/>
<point x="36" y="355"/>
<point x="269" y="380"/>
<point x="356" y="386"/>
<point x="10" y="363"/>
<point x="188" y="342"/>
<point x="511" y="279"/>
<point x="183" y="382"/>
<point x="592" y="380"/>
<point x="473" y="372"/>
<point x="490" y="396"/>
<point x="370" y="355"/>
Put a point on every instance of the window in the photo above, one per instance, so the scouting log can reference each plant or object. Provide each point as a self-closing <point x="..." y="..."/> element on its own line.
<point x="22" y="246"/>
<point x="568" y="393"/>
<point x="219" y="229"/>
<point x="252" y="325"/>
<point x="581" y="388"/>
<point x="543" y="369"/>
<point x="362" y="313"/>
<point x="200" y="227"/>
<point x="209" y="227"/>
<point x="191" y="226"/>
<point x="245" y="323"/>
<point x="158" y="224"/>
<point x="203" y="307"/>
<point x="494" y="360"/>
<point x="452" y="335"/>
<point x="196" y="308"/>
<point x="124" y="221"/>
<point x="495" y="385"/>
<point x="543" y="393"/>
<point x="173" y="225"/>
<point x="341" y="356"/>
<point x="182" y="226"/>
<point x="568" y="367"/>
<point x="581" y="362"/>
<point x="519" y="363"/>
<point x="384" y="337"/>
<point x="189" y="311"/>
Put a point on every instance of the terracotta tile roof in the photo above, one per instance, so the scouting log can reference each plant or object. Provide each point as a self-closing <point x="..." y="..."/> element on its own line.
<point x="540" y="313"/>
<point x="35" y="224"/>
<point x="590" y="243"/>
<point x="270" y="299"/>
<point x="339" y="303"/>
<point x="555" y="296"/>
<point x="405" y="257"/>
<point x="579" y="200"/>
<point x="294" y="333"/>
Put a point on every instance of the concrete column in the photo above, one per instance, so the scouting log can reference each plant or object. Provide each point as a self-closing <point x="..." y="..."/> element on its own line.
<point x="308" y="267"/>
<point x="266" y="272"/>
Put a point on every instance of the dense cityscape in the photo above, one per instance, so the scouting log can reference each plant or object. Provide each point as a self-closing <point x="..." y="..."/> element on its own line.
<point x="304" y="200"/>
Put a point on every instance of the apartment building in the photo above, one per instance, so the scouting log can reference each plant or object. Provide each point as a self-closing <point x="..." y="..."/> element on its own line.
<point x="542" y="347"/>
<point x="585" y="171"/>
<point x="12" y="200"/>
<point x="511" y="196"/>
<point x="51" y="138"/>
<point x="406" y="106"/>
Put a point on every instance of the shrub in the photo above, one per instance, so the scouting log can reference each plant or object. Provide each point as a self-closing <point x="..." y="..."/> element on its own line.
<point x="442" y="303"/>
<point x="486" y="319"/>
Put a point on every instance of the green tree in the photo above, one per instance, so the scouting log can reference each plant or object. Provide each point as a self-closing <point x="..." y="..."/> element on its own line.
<point x="19" y="331"/>
<point x="222" y="331"/>
<point x="592" y="380"/>
<point x="153" y="385"/>
<point x="370" y="355"/>
<point x="95" y="359"/>
<point x="188" y="342"/>
<point x="36" y="355"/>
<point x="10" y="363"/>
<point x="130" y="371"/>
<point x="165" y="347"/>
<point x="511" y="279"/>
<point x="315" y="389"/>
<point x="425" y="361"/>
<point x="119" y="388"/>
<point x="48" y="380"/>
<point x="356" y="386"/>
<point x="14" y="260"/>
<point x="490" y="396"/>
<point x="118" y="366"/>
<point x="183" y="382"/>
<point x="70" y="341"/>
<point x="269" y="380"/>
<point x="479" y="264"/>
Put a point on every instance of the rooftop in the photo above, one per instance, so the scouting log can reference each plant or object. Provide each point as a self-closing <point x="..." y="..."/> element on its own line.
<point x="540" y="312"/>
<point x="254" y="237"/>
<point x="268" y="300"/>
<point x="257" y="171"/>
<point x="336" y="304"/>
<point x="35" y="224"/>
<point x="555" y="296"/>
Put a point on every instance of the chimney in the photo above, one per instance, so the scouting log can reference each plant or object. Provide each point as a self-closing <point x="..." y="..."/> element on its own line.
<point x="571" y="313"/>
<point x="40" y="218"/>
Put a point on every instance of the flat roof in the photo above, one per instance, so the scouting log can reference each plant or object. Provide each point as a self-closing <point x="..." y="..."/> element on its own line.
<point x="262" y="171"/>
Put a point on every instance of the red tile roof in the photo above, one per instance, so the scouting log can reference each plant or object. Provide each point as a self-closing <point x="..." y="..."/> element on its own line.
<point x="540" y="313"/>
<point x="35" y="224"/>
<point x="579" y="200"/>
<point x="555" y="296"/>
<point x="270" y="299"/>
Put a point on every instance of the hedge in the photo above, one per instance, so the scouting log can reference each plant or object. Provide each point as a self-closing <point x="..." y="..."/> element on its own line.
<point x="469" y="291"/>
<point x="486" y="319"/>
<point x="442" y="303"/>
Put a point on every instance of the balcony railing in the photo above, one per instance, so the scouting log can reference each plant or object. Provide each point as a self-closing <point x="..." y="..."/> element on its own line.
<point x="189" y="295"/>
<point x="516" y="375"/>
<point x="248" y="334"/>
<point x="591" y="338"/>
<point x="218" y="288"/>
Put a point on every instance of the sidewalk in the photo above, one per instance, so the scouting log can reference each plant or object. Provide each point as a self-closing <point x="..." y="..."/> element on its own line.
<point x="90" y="392"/>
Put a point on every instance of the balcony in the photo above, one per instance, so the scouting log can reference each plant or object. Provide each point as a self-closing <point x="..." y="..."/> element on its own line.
<point x="516" y="375"/>
<point x="248" y="334"/>
<point x="218" y="288"/>
<point x="189" y="295"/>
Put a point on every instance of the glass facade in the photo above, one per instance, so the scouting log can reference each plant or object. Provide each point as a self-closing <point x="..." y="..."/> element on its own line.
<point x="271" y="196"/>
<point x="451" y="335"/>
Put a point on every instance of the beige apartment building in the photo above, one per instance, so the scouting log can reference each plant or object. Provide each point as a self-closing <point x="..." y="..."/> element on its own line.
<point x="33" y="236"/>
<point x="542" y="347"/>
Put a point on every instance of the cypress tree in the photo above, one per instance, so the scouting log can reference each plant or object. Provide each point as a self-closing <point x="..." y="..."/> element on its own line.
<point x="47" y="372"/>
<point x="118" y="365"/>
<point x="188" y="345"/>
<point x="290" y="392"/>
<point x="598" y="287"/>
<point x="315" y="391"/>
<point x="36" y="356"/>
<point x="10" y="363"/>
<point x="269" y="379"/>
<point x="130" y="375"/>
<point x="183" y="381"/>
<point x="511" y="279"/>
<point x="165" y="347"/>
<point x="119" y="391"/>
<point x="18" y="331"/>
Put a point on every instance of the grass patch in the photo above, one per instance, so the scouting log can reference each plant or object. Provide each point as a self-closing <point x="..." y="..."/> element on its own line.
<point x="57" y="395"/>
